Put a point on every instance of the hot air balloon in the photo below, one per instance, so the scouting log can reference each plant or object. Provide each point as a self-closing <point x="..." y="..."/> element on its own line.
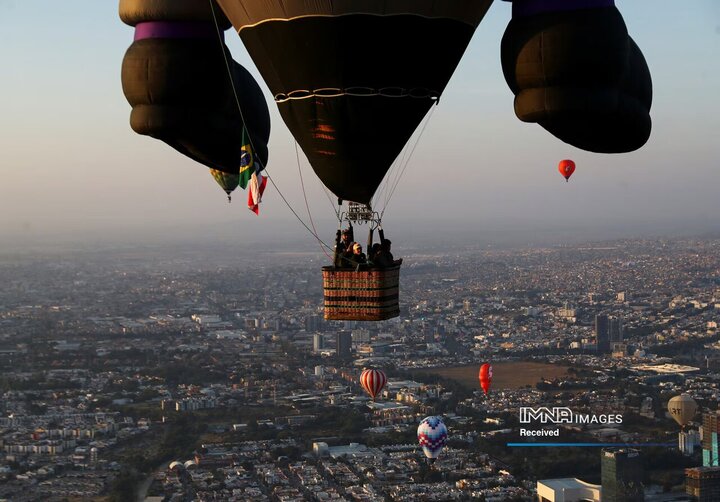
<point x="432" y="437"/>
<point x="227" y="181"/>
<point x="373" y="381"/>
<point x="175" y="77"/>
<point x="485" y="376"/>
<point x="566" y="168"/>
<point x="352" y="81"/>
<point x="682" y="409"/>
<point x="351" y="78"/>
<point x="575" y="71"/>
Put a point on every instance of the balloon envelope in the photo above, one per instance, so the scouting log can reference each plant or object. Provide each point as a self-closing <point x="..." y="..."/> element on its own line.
<point x="575" y="70"/>
<point x="432" y="436"/>
<point x="566" y="168"/>
<point x="353" y="79"/>
<point x="485" y="377"/>
<point x="175" y="75"/>
<point x="373" y="381"/>
<point x="682" y="409"/>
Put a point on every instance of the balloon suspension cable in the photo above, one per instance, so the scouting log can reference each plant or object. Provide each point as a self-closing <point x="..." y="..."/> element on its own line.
<point x="329" y="198"/>
<point x="242" y="117"/>
<point x="307" y="206"/>
<point x="393" y="174"/>
<point x="409" y="158"/>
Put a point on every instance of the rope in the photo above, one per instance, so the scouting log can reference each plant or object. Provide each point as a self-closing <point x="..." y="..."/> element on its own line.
<point x="412" y="151"/>
<point x="242" y="117"/>
<point x="307" y="206"/>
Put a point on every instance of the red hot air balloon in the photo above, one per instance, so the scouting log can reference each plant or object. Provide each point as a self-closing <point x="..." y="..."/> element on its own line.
<point x="566" y="168"/>
<point x="373" y="381"/>
<point x="485" y="377"/>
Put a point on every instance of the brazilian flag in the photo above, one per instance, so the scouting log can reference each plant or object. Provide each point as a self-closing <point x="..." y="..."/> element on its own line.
<point x="247" y="163"/>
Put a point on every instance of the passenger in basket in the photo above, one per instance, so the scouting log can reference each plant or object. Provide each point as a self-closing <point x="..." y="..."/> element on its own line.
<point x="373" y="253"/>
<point x="357" y="257"/>
<point x="343" y="248"/>
<point x="384" y="257"/>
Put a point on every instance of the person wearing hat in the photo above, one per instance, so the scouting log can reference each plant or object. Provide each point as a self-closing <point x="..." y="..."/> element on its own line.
<point x="357" y="257"/>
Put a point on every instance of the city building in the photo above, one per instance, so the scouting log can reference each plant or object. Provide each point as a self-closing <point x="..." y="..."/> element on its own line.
<point x="567" y="490"/>
<point x="703" y="483"/>
<point x="687" y="442"/>
<point x="344" y="344"/>
<point x="615" y="329"/>
<point x="710" y="440"/>
<point x="318" y="342"/>
<point x="313" y="323"/>
<point x="621" y="474"/>
<point x="602" y="333"/>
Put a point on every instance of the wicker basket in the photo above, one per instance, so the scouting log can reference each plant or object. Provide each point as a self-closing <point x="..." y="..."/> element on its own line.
<point x="364" y="295"/>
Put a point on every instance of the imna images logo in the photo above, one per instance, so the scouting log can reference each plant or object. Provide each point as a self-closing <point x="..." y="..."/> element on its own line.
<point x="564" y="415"/>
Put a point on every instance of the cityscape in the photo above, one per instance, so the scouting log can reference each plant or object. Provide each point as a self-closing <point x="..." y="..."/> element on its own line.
<point x="136" y="374"/>
<point x="359" y="251"/>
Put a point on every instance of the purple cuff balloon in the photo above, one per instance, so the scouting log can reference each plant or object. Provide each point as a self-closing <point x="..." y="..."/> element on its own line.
<point x="175" y="29"/>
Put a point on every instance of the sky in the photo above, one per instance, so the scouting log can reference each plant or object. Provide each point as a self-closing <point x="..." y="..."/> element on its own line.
<point x="71" y="167"/>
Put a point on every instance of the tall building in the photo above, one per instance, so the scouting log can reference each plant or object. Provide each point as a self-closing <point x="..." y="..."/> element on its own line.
<point x="313" y="323"/>
<point x="703" y="483"/>
<point x="318" y="342"/>
<point x="710" y="440"/>
<point x="361" y="335"/>
<point x="602" y="333"/>
<point x="622" y="474"/>
<point x="615" y="329"/>
<point x="344" y="344"/>
<point x="687" y="441"/>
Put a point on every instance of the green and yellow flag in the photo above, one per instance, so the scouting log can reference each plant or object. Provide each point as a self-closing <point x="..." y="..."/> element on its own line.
<point x="247" y="163"/>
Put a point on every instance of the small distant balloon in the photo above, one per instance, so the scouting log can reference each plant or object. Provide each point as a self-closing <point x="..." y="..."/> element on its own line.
<point x="566" y="168"/>
<point x="485" y="376"/>
<point x="227" y="181"/>
<point x="373" y="381"/>
<point x="682" y="409"/>
<point x="432" y="437"/>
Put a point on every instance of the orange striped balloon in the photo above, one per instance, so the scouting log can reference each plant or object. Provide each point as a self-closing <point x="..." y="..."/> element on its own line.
<point x="373" y="381"/>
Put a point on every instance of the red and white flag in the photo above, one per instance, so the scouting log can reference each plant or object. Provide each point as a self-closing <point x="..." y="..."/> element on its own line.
<point x="256" y="189"/>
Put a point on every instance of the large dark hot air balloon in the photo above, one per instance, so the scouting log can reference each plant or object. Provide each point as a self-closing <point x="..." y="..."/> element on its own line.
<point x="575" y="71"/>
<point x="353" y="79"/>
<point x="175" y="77"/>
